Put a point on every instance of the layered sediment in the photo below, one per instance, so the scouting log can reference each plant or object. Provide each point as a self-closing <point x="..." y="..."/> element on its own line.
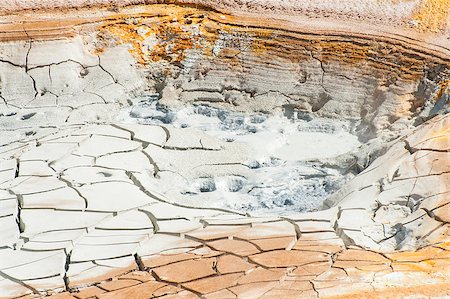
<point x="110" y="188"/>
<point x="244" y="63"/>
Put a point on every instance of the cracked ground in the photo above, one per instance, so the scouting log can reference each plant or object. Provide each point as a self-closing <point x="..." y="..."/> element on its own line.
<point x="80" y="212"/>
<point x="112" y="187"/>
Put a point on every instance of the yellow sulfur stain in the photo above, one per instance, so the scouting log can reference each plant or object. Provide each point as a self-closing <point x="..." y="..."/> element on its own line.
<point x="170" y="33"/>
<point x="165" y="33"/>
<point x="444" y="88"/>
<point x="433" y="15"/>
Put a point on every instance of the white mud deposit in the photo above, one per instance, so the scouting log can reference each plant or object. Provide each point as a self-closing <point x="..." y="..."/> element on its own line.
<point x="277" y="164"/>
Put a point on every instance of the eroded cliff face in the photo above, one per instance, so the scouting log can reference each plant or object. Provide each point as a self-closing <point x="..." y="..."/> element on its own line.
<point x="139" y="139"/>
<point x="186" y="54"/>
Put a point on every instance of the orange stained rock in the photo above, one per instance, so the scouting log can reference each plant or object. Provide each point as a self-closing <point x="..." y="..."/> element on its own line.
<point x="411" y="267"/>
<point x="439" y="142"/>
<point x="358" y="275"/>
<point x="232" y="264"/>
<point x="327" y="248"/>
<point x="222" y="294"/>
<point x="296" y="286"/>
<point x="330" y="289"/>
<point x="39" y="30"/>
<point x="419" y="165"/>
<point x="253" y="290"/>
<point x="283" y="258"/>
<point x="126" y="33"/>
<point x="261" y="274"/>
<point x="444" y="87"/>
<point x="164" y="259"/>
<point x="118" y="284"/>
<point x="144" y="290"/>
<point x="332" y="275"/>
<point x="89" y="292"/>
<point x="445" y="245"/>
<point x="374" y="268"/>
<point x="356" y="263"/>
<point x="142" y="276"/>
<point x="326" y="237"/>
<point x="157" y="33"/>
<point x="62" y="296"/>
<point x="351" y="273"/>
<point x="168" y="32"/>
<point x="192" y="269"/>
<point x="180" y="295"/>
<point x="164" y="33"/>
<point x="426" y="253"/>
<point x="361" y="255"/>
<point x="432" y="136"/>
<point x="433" y="290"/>
<point x="238" y="247"/>
<point x="166" y="291"/>
<point x="313" y="269"/>
<point x="205" y="252"/>
<point x="106" y="276"/>
<point x="440" y="265"/>
<point x="289" y="294"/>
<point x="330" y="249"/>
<point x="274" y="243"/>
<point x="267" y="43"/>
<point x="213" y="284"/>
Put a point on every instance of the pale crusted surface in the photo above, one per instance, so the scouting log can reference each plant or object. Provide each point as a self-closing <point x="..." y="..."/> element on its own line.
<point x="116" y="236"/>
<point x="382" y="80"/>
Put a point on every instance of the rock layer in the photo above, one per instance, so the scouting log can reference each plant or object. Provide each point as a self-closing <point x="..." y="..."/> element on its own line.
<point x="240" y="62"/>
<point x="93" y="228"/>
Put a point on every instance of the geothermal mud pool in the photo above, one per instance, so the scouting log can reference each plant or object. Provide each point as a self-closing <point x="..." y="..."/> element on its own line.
<point x="267" y="164"/>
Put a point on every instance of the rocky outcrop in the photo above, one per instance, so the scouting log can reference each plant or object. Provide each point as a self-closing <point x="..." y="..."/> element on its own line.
<point x="393" y="200"/>
<point x="240" y="62"/>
